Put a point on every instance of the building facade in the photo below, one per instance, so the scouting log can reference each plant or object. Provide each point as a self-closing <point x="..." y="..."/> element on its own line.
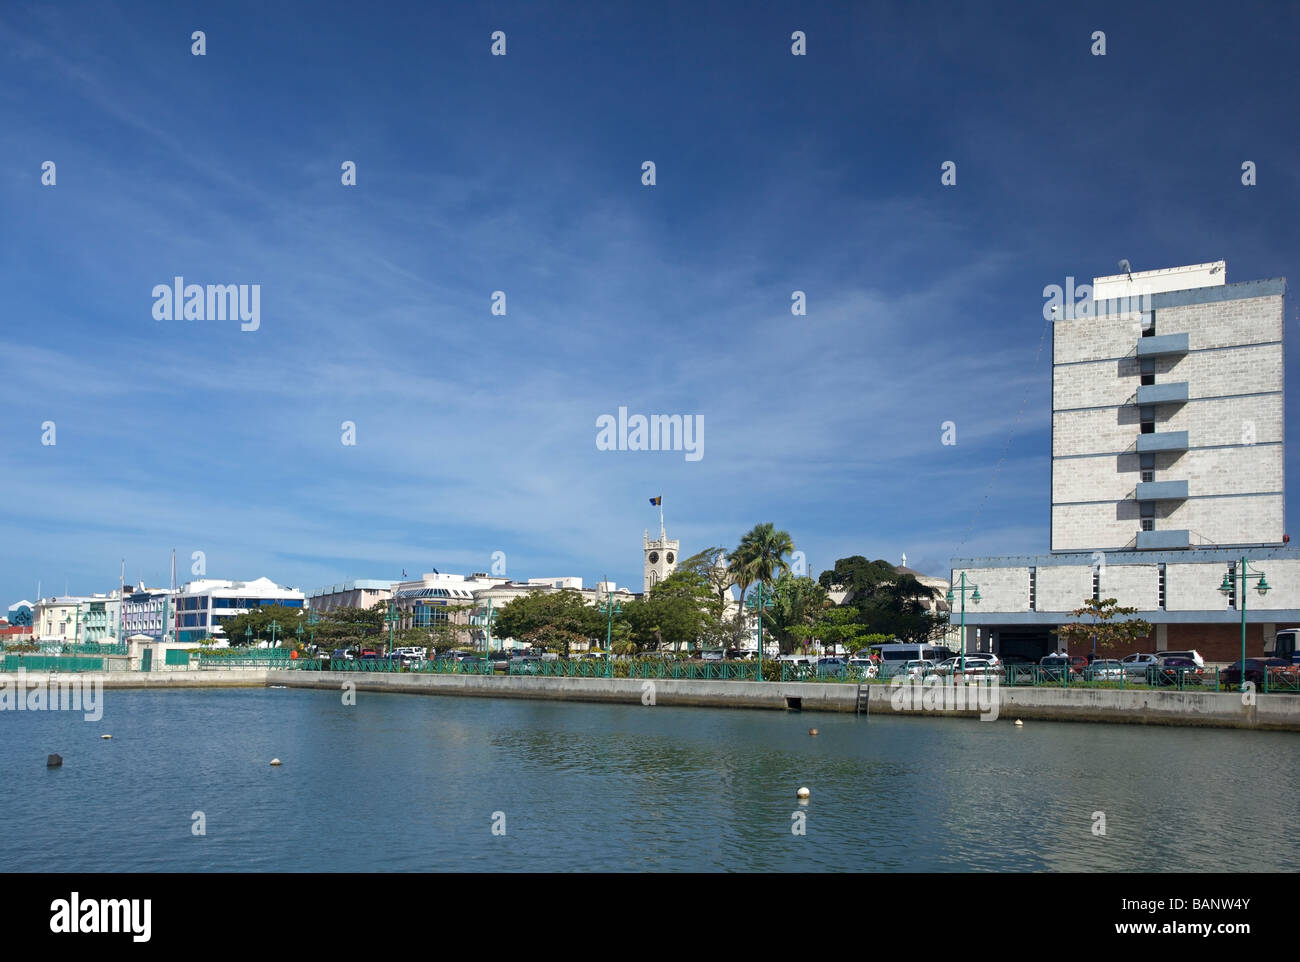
<point x="1167" y="421"/>
<point x="143" y="611"/>
<point x="363" y="593"/>
<point x="203" y="606"/>
<point x="1167" y="458"/>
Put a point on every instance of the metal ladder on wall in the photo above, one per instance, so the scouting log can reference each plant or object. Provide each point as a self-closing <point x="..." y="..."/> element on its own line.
<point x="864" y="697"/>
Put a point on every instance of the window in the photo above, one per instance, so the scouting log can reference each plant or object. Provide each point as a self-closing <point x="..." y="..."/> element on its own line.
<point x="1148" y="466"/>
<point x="1232" y="580"/>
<point x="1161" y="589"/>
<point x="1033" y="589"/>
<point x="1147" y="416"/>
<point x="1148" y="524"/>
<point x="1149" y="370"/>
<point x="1096" y="583"/>
<point x="1148" y="323"/>
<point x="1147" y="510"/>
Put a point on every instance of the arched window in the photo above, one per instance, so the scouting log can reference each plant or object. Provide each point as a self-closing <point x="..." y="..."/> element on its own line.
<point x="654" y="578"/>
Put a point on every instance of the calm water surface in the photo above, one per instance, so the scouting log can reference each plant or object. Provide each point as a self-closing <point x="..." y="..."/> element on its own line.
<point x="410" y="783"/>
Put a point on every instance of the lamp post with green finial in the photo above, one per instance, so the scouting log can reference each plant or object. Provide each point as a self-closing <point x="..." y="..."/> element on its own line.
<point x="611" y="609"/>
<point x="961" y="588"/>
<point x="758" y="603"/>
<point x="1229" y="585"/>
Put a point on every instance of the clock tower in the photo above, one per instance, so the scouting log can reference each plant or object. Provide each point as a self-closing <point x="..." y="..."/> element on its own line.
<point x="660" y="558"/>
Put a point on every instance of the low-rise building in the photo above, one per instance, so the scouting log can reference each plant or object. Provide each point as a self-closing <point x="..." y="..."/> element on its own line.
<point x="361" y="593"/>
<point x="202" y="606"/>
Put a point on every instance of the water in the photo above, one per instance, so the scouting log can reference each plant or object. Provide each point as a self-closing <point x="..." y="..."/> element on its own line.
<point x="410" y="783"/>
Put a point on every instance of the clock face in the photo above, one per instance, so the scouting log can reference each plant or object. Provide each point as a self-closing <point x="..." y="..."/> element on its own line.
<point x="654" y="557"/>
<point x="669" y="557"/>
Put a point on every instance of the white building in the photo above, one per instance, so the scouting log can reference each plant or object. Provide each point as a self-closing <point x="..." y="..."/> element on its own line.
<point x="202" y="606"/>
<point x="1167" y="457"/>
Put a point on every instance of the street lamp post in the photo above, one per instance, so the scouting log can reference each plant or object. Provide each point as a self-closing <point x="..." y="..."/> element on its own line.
<point x="961" y="589"/>
<point x="758" y="604"/>
<point x="275" y="626"/>
<point x="313" y="619"/>
<point x="611" y="609"/>
<point x="487" y="638"/>
<point x="391" y="620"/>
<point x="1229" y="584"/>
<point x="248" y="636"/>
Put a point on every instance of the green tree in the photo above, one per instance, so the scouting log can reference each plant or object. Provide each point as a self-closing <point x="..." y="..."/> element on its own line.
<point x="557" y="619"/>
<point x="1102" y="629"/>
<point x="286" y="619"/>
<point x="760" y="554"/>
<point x="796" y="606"/>
<point x="887" y="602"/>
<point x="677" y="612"/>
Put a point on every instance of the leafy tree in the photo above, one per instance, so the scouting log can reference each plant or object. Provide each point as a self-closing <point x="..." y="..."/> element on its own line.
<point x="676" y="612"/>
<point x="760" y="554"/>
<point x="558" y="619"/>
<point x="259" y="620"/>
<point x="796" y="605"/>
<point x="1103" y="630"/>
<point x="711" y="565"/>
<point x="886" y="601"/>
<point x="839" y="625"/>
<point x="349" y="627"/>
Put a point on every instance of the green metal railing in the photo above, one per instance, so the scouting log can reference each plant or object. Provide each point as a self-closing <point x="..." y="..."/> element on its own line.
<point x="53" y="663"/>
<point x="90" y="648"/>
<point x="257" y="659"/>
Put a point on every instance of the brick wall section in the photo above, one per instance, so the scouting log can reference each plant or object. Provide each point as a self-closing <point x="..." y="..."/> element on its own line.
<point x="1236" y="441"/>
<point x="1133" y="586"/>
<point x="1063" y="587"/>
<point x="1001" y="589"/>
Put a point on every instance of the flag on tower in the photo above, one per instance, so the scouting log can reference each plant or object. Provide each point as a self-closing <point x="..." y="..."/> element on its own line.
<point x="658" y="500"/>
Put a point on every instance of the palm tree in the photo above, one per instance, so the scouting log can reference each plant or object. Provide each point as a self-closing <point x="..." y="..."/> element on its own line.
<point x="760" y="554"/>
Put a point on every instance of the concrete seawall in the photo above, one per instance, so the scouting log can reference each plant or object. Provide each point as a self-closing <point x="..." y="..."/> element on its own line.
<point x="1277" y="712"/>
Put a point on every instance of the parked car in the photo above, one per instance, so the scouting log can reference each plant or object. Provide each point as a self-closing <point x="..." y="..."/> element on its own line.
<point x="1140" y="665"/>
<point x="525" y="665"/>
<point x="1174" y="671"/>
<point x="1277" y="668"/>
<point x="1106" y="669"/>
<point x="341" y="654"/>
<point x="916" y="668"/>
<point x="1191" y="653"/>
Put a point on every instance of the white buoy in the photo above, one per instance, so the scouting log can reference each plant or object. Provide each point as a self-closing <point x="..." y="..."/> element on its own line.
<point x="802" y="793"/>
<point x="276" y="761"/>
<point x="1019" y="723"/>
<point x="105" y="736"/>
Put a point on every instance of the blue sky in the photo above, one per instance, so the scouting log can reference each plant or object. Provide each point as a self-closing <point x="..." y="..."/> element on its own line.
<point x="522" y="173"/>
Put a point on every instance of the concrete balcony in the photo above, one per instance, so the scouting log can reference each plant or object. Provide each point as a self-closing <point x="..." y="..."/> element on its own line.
<point x="1162" y="491"/>
<point x="1162" y="441"/>
<point x="1162" y="344"/>
<point x="1162" y="393"/>
<point x="1162" y="540"/>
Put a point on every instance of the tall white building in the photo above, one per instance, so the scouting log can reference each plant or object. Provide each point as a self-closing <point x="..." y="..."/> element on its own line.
<point x="1167" y="418"/>
<point x="1167" y="470"/>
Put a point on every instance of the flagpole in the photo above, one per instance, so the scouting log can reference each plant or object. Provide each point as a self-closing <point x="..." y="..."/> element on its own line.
<point x="663" y="535"/>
